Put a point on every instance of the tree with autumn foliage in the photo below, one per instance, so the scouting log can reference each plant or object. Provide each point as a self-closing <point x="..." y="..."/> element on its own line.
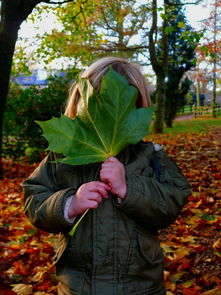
<point x="200" y="75"/>
<point x="212" y="46"/>
<point x="118" y="22"/>
<point x="208" y="55"/>
<point x="95" y="29"/>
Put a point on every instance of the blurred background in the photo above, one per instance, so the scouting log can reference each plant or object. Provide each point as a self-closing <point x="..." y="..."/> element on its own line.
<point x="44" y="45"/>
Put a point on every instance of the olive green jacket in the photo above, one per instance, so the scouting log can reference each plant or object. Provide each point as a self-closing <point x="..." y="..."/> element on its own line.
<point x="115" y="249"/>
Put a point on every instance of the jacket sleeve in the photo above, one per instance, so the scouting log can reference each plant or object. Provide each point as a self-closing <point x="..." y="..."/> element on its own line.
<point x="154" y="199"/>
<point x="43" y="202"/>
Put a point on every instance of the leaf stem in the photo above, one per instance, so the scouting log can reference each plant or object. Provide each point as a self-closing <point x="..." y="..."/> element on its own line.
<point x="76" y="225"/>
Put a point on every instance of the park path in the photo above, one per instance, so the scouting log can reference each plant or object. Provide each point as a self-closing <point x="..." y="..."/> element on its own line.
<point x="184" y="117"/>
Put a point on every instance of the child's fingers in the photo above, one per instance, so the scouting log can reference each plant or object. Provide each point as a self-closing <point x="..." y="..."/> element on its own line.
<point x="100" y="187"/>
<point x="117" y="166"/>
<point x="92" y="204"/>
<point x="95" y="185"/>
<point x="109" y="164"/>
<point x="95" y="196"/>
<point x="108" y="179"/>
<point x="103" y="193"/>
<point x="106" y="175"/>
<point x="107" y="171"/>
<point x="111" y="160"/>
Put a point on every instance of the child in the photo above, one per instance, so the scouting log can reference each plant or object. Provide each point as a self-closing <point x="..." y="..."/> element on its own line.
<point x="115" y="249"/>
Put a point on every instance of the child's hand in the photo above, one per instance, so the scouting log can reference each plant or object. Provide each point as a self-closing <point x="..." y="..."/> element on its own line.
<point x="89" y="195"/>
<point x="113" y="173"/>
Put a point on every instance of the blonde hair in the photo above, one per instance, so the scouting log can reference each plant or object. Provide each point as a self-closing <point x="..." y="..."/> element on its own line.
<point x="95" y="72"/>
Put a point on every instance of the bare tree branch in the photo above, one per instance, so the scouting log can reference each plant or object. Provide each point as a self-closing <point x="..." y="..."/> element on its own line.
<point x="114" y="49"/>
<point x="152" y="31"/>
<point x="182" y="4"/>
<point x="106" y="21"/>
<point x="56" y="2"/>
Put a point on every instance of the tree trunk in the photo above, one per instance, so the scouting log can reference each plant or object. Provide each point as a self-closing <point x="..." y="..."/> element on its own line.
<point x="169" y="122"/>
<point x="168" y="117"/>
<point x="160" y="104"/>
<point x="171" y="106"/>
<point x="13" y="13"/>
<point x="159" y="64"/>
<point x="172" y="98"/>
<point x="8" y="37"/>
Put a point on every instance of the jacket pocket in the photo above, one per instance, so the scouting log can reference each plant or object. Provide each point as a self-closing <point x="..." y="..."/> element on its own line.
<point x="71" y="258"/>
<point x="145" y="265"/>
<point x="70" y="270"/>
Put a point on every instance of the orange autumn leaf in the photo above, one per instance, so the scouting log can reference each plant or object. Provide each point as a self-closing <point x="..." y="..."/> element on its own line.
<point x="191" y="245"/>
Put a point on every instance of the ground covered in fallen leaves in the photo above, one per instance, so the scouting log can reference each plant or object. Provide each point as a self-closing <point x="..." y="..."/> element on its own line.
<point x="192" y="245"/>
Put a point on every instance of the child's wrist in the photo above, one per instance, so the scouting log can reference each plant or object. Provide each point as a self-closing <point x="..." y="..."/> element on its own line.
<point x="122" y="193"/>
<point x="72" y="210"/>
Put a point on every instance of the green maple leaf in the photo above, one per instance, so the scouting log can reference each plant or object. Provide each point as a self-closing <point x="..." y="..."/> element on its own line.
<point x="105" y="124"/>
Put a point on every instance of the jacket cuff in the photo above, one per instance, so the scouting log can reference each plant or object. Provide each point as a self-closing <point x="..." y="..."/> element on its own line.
<point x="130" y="192"/>
<point x="58" y="215"/>
<point x="66" y="209"/>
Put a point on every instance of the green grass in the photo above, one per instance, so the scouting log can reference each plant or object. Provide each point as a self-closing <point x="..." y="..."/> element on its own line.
<point x="193" y="125"/>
